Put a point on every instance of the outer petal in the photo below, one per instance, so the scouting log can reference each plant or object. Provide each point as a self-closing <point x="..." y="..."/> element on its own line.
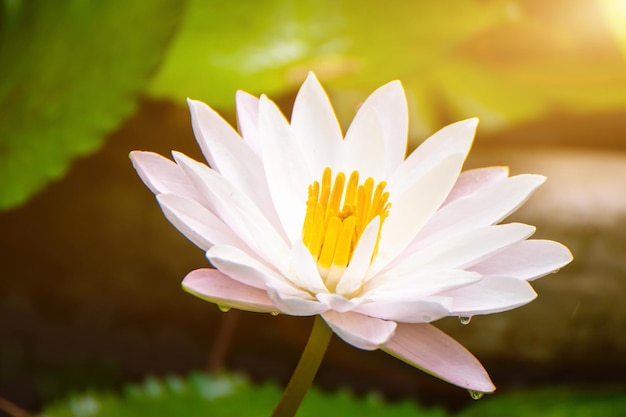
<point x="243" y="267"/>
<point x="413" y="208"/>
<point x="197" y="223"/>
<point x="408" y="311"/>
<point x="451" y="140"/>
<point x="490" y="295"/>
<point x="238" y="212"/>
<point x="248" y="120"/>
<point x="428" y="348"/>
<point x="229" y="155"/>
<point x="285" y="167"/>
<point x="528" y="260"/>
<point x="213" y="286"/>
<point x="358" y="330"/>
<point x="485" y="207"/>
<point x="315" y="127"/>
<point x="296" y="305"/>
<point x="474" y="179"/>
<point x="463" y="250"/>
<point x="414" y="285"/>
<point x="365" y="147"/>
<point x="389" y="103"/>
<point x="163" y="176"/>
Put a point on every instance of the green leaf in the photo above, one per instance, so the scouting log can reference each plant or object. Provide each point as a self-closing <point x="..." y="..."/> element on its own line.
<point x="202" y="395"/>
<point x="71" y="71"/>
<point x="553" y="402"/>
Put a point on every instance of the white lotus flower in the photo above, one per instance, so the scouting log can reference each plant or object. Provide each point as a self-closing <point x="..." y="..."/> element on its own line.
<point x="297" y="219"/>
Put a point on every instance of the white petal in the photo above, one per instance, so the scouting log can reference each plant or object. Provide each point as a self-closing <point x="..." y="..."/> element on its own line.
<point x="162" y="175"/>
<point x="229" y="155"/>
<point x="315" y="127"/>
<point x="295" y="305"/>
<point x="414" y="207"/>
<point x="354" y="275"/>
<point x="428" y="348"/>
<point x="395" y="286"/>
<point x="527" y="260"/>
<point x="451" y="140"/>
<point x="197" y="223"/>
<point x="485" y="207"/>
<point x="490" y="295"/>
<point x="238" y="212"/>
<point x="364" y="145"/>
<point x="285" y="168"/>
<point x="358" y="330"/>
<point x="474" y="179"/>
<point x="306" y="275"/>
<point x="248" y="120"/>
<point x="390" y="106"/>
<point x="241" y="266"/>
<point x="338" y="303"/>
<point x="411" y="311"/>
<point x="464" y="249"/>
<point x="213" y="286"/>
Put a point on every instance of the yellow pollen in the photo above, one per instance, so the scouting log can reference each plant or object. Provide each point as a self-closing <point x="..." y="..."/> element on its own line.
<point x="336" y="216"/>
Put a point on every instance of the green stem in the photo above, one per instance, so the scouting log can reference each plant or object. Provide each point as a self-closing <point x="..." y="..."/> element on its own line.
<point x="302" y="377"/>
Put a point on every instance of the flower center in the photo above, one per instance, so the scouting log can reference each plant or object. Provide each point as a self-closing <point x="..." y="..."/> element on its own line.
<point x="336" y="216"/>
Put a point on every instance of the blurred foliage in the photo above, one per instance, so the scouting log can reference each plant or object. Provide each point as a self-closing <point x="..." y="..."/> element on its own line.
<point x="231" y="395"/>
<point x="504" y="61"/>
<point x="224" y="396"/>
<point x="71" y="71"/>
<point x="555" y="402"/>
<point x="75" y="67"/>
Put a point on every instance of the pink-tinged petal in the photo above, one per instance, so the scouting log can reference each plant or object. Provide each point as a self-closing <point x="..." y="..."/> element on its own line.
<point x="358" y="330"/>
<point x="229" y="155"/>
<point x="490" y="295"/>
<point x="285" y="168"/>
<point x="453" y="139"/>
<point x="245" y="268"/>
<point x="354" y="275"/>
<point x="163" y="176"/>
<point x="413" y="285"/>
<point x="527" y="260"/>
<point x="390" y="106"/>
<point x="295" y="305"/>
<point x="428" y="348"/>
<point x="315" y="127"/>
<point x="306" y="274"/>
<point x="248" y="120"/>
<point x="414" y="207"/>
<point x="474" y="179"/>
<point x="237" y="211"/>
<point x="338" y="303"/>
<point x="408" y="311"/>
<point x="463" y="250"/>
<point x="485" y="207"/>
<point x="364" y="145"/>
<point x="197" y="223"/>
<point x="215" y="287"/>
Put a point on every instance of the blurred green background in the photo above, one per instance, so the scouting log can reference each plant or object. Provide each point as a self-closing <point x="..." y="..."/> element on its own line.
<point x="90" y="269"/>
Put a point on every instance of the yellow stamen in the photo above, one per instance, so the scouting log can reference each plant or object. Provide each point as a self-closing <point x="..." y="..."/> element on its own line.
<point x="336" y="217"/>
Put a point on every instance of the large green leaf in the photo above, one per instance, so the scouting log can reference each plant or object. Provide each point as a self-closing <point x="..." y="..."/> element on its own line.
<point x="71" y="71"/>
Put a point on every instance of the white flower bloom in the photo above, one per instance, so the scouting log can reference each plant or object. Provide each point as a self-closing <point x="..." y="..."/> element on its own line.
<point x="299" y="220"/>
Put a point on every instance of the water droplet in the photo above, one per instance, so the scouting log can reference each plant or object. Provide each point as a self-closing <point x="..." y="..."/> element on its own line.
<point x="465" y="320"/>
<point x="223" y="309"/>
<point x="274" y="313"/>
<point x="476" y="395"/>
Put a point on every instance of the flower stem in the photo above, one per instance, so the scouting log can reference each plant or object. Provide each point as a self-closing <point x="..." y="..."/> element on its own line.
<point x="302" y="377"/>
